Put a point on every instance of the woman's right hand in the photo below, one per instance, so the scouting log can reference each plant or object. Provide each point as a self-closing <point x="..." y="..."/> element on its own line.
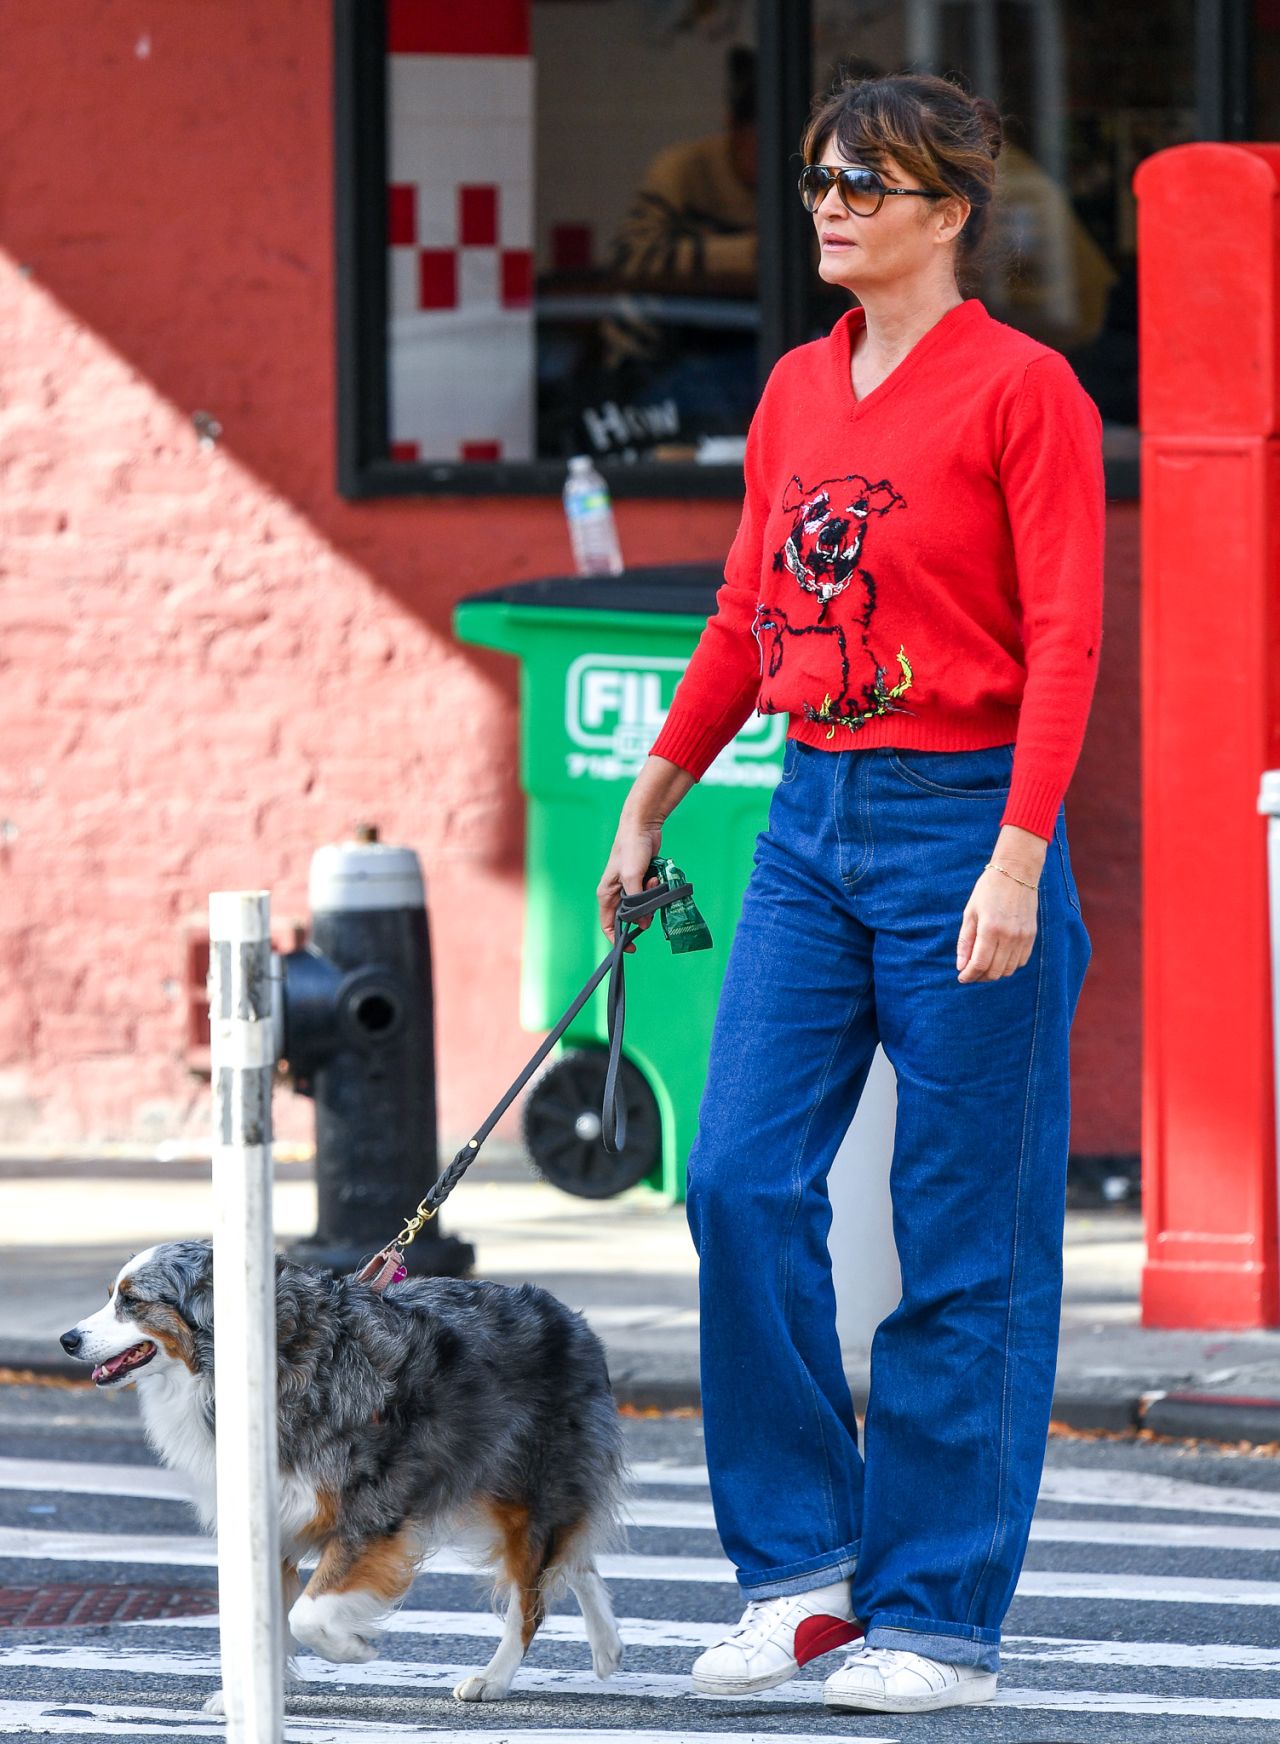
<point x="654" y="795"/>
<point x="634" y="846"/>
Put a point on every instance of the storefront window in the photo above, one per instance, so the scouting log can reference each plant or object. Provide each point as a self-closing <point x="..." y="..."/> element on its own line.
<point x="570" y="226"/>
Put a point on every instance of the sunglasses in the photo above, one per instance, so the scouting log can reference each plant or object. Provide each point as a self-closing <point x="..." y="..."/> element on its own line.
<point x="862" y="191"/>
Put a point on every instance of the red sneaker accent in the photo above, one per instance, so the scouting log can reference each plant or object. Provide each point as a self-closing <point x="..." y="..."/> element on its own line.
<point x="817" y="1635"/>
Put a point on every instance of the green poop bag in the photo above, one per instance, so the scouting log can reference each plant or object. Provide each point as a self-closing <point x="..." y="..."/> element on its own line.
<point x="684" y="926"/>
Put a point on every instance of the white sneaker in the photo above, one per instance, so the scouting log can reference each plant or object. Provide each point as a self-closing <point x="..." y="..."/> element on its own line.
<point x="892" y="1680"/>
<point x="774" y="1639"/>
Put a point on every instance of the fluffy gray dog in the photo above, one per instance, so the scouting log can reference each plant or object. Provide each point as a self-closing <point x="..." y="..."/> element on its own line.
<point x="441" y="1411"/>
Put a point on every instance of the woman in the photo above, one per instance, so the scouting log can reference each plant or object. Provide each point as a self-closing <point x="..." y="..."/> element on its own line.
<point x="917" y="583"/>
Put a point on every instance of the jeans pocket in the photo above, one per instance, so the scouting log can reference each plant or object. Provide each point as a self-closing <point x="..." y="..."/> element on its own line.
<point x="982" y="774"/>
<point x="790" y="761"/>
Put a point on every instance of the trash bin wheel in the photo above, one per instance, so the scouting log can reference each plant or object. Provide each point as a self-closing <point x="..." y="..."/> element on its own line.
<point x="563" y="1131"/>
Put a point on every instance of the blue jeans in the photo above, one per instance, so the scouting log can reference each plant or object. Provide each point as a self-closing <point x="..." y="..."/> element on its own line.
<point x="848" y="938"/>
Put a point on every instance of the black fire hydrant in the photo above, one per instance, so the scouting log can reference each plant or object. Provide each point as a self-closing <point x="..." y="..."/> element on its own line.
<point x="359" y="1038"/>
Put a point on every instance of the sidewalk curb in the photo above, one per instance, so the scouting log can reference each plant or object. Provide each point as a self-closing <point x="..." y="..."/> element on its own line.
<point x="1233" y="1418"/>
<point x="1114" y="1413"/>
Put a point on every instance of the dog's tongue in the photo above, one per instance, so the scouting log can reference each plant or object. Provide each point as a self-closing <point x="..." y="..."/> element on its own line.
<point x="114" y="1364"/>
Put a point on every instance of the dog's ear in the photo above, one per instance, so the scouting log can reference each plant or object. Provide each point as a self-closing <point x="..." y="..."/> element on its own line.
<point x="180" y="1273"/>
<point x="193" y="1278"/>
<point x="196" y="1305"/>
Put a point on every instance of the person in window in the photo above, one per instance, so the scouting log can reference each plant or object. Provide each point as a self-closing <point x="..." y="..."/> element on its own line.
<point x="1060" y="279"/>
<point x="916" y="583"/>
<point x="694" y="215"/>
<point x="691" y="231"/>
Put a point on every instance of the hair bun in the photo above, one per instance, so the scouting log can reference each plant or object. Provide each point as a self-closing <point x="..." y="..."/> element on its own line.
<point x="990" y="123"/>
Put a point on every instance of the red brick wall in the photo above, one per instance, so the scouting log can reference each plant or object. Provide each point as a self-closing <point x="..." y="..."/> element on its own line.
<point x="209" y="663"/>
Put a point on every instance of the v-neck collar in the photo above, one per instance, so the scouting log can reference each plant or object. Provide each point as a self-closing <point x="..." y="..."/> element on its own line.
<point x="854" y="320"/>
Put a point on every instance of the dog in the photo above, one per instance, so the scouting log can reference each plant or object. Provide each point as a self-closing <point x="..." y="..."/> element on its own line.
<point x="443" y="1411"/>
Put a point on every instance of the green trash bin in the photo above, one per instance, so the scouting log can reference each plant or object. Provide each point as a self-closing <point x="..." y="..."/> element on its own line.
<point x="600" y="660"/>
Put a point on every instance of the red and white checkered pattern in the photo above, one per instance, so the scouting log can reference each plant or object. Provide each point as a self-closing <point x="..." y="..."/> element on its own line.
<point x="460" y="257"/>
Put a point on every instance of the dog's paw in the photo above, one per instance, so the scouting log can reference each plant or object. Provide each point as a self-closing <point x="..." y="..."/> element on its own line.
<point x="343" y="1649"/>
<point x="606" y="1659"/>
<point x="214" y="1704"/>
<point x="481" y="1689"/>
<point x="326" y="1630"/>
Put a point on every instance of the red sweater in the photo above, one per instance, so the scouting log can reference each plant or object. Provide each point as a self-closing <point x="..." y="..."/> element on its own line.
<point x="920" y="567"/>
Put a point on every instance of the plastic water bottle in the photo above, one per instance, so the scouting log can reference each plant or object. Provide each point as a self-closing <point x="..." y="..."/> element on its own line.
<point x="592" y="529"/>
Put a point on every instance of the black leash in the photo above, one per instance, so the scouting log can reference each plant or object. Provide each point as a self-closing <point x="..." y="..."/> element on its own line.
<point x="387" y="1266"/>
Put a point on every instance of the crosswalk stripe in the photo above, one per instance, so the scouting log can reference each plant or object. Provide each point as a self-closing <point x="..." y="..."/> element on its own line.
<point x="1165" y="1535"/>
<point x="485" y="1625"/>
<point x="1151" y="1589"/>
<point x="158" y="1482"/>
<point x="154" y="1549"/>
<point x="672" y="1632"/>
<point x="151" y="1482"/>
<point x="108" y="1479"/>
<point x="1121" y="1702"/>
<point x="1160" y="1534"/>
<point x="1074" y="1486"/>
<point x="151" y="1548"/>
<point x="125" y="1659"/>
<point x="668" y="1686"/>
<point x="66" y="1719"/>
<point x="656" y="1471"/>
<point x="1110" y="1487"/>
<point x="1199" y="1656"/>
<point x="1126" y="1489"/>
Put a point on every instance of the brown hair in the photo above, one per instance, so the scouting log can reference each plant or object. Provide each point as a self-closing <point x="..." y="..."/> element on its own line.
<point x="942" y="137"/>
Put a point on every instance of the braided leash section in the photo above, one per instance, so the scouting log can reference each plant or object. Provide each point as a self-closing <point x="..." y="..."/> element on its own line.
<point x="388" y="1265"/>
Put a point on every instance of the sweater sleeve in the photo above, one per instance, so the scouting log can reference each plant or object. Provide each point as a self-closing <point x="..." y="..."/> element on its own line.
<point x="1052" y="479"/>
<point x="720" y="685"/>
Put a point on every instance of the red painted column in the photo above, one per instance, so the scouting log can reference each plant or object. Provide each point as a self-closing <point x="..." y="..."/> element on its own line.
<point x="1209" y="314"/>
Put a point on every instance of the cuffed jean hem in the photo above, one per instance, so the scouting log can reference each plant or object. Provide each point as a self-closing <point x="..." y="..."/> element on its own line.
<point x="803" y="1577"/>
<point x="950" y="1643"/>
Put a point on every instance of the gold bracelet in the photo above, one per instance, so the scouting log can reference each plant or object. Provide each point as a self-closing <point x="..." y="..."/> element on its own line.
<point x="1013" y="875"/>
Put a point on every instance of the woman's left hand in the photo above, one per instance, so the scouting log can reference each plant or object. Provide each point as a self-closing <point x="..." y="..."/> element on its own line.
<point x="998" y="928"/>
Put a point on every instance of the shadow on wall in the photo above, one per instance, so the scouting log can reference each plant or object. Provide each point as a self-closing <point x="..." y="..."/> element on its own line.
<point x="170" y="185"/>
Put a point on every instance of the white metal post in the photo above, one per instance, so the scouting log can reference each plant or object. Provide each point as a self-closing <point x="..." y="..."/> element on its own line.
<point x="242" y="1033"/>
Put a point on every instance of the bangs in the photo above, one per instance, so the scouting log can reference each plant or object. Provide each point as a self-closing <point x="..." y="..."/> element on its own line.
<point x="875" y="119"/>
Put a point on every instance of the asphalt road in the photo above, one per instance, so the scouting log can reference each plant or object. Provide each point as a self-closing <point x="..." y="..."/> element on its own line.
<point x="1149" y="1609"/>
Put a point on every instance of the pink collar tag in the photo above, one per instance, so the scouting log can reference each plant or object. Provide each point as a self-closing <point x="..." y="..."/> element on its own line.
<point x="386" y="1267"/>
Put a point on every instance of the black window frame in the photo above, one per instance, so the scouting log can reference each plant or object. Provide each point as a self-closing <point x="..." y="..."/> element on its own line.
<point x="1223" y="51"/>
